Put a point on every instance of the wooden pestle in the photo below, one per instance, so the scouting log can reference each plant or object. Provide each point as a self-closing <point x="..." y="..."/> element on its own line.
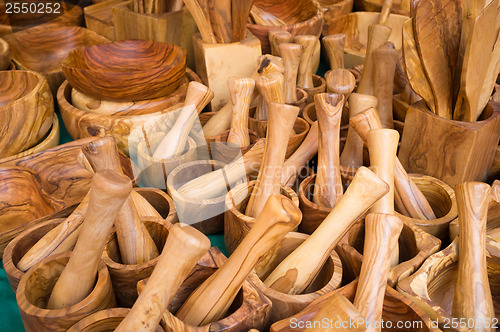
<point x="385" y="11"/>
<point x="340" y="81"/>
<point x="304" y="79"/>
<point x="270" y="87"/>
<point x="300" y="268"/>
<point x="328" y="184"/>
<point x="291" y="54"/>
<point x="385" y="58"/>
<point x="383" y="146"/>
<point x="299" y="159"/>
<point x="334" y="46"/>
<point x="381" y="235"/>
<point x="473" y="299"/>
<point x="352" y="155"/>
<point x="108" y="192"/>
<point x="189" y="245"/>
<point x="408" y="198"/>
<point x="211" y="300"/>
<point x="240" y="90"/>
<point x="281" y="120"/>
<point x="278" y="37"/>
<point x="268" y="64"/>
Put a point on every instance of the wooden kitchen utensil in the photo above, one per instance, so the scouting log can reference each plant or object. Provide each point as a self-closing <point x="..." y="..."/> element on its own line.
<point x="199" y="11"/>
<point x="304" y="78"/>
<point x="220" y="12"/>
<point x="340" y="81"/>
<point x="334" y="47"/>
<point x="239" y="17"/>
<point x="384" y="59"/>
<point x="291" y="54"/>
<point x="278" y="37"/>
<point x="241" y="91"/>
<point x="271" y="88"/>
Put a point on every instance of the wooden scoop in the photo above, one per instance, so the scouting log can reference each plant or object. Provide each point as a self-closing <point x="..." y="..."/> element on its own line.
<point x="385" y="59"/>
<point x="304" y="79"/>
<point x="328" y="184"/>
<point x="334" y="46"/>
<point x="340" y="81"/>
<point x="472" y="294"/>
<point x="278" y="37"/>
<point x="408" y="198"/>
<point x="270" y="87"/>
<point x="211" y="300"/>
<point x="281" y="120"/>
<point x="381" y="236"/>
<point x="291" y="54"/>
<point x="240" y="90"/>
<point x="108" y="192"/>
<point x="184" y="247"/>
<point x="299" y="269"/>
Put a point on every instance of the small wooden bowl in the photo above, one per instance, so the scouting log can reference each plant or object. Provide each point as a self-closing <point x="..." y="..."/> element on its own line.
<point x="319" y="84"/>
<point x="335" y="8"/>
<point x="355" y="26"/>
<point x="26" y="110"/>
<point x="228" y="152"/>
<point x="5" y="55"/>
<point x="285" y="305"/>
<point x="302" y="17"/>
<point x="37" y="284"/>
<point x="236" y="223"/>
<point x="309" y="115"/>
<point x="43" y="49"/>
<point x="442" y="200"/>
<point x="301" y="100"/>
<point x="104" y="321"/>
<point x="126" y="70"/>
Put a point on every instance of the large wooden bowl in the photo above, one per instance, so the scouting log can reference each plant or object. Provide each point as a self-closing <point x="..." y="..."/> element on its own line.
<point x="126" y="70"/>
<point x="355" y="26"/>
<point x="376" y="6"/>
<point x="26" y="110"/>
<point x="5" y="55"/>
<point x="302" y="17"/>
<point x="43" y="49"/>
<point x="335" y="8"/>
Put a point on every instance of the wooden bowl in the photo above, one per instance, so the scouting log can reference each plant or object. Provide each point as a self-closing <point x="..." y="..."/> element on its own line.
<point x="301" y="100"/>
<point x="355" y="26"/>
<point x="494" y="172"/>
<point x="5" y="55"/>
<point x="44" y="49"/>
<point x="285" y="305"/>
<point x="376" y="6"/>
<point x="228" y="152"/>
<point x="126" y="70"/>
<point x="26" y="110"/>
<point x="302" y="17"/>
<point x="37" y="284"/>
<point x="319" y="84"/>
<point x="309" y="115"/>
<point x="335" y="8"/>
<point x="236" y="223"/>
<point x="442" y="200"/>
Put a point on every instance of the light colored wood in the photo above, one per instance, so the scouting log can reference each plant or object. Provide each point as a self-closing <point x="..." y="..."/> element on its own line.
<point x="385" y="12"/>
<point x="221" y="14"/>
<point x="334" y="47"/>
<point x="199" y="11"/>
<point x="261" y="17"/>
<point x="328" y="186"/>
<point x="270" y="87"/>
<point x="212" y="299"/>
<point x="294" y="273"/>
<point x="492" y="74"/>
<point x="267" y="64"/>
<point x="340" y="81"/>
<point x="219" y="122"/>
<point x="241" y="90"/>
<point x="291" y="54"/>
<point x="184" y="247"/>
<point x="384" y="58"/>
<point x="304" y="78"/>
<point x="472" y="294"/>
<point x="278" y="37"/>
<point x="281" y="120"/>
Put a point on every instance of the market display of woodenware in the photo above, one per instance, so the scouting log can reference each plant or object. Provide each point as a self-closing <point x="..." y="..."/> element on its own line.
<point x="251" y="165"/>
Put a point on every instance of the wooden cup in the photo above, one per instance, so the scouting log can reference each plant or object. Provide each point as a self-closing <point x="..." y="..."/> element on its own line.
<point x="319" y="87"/>
<point x="228" y="152"/>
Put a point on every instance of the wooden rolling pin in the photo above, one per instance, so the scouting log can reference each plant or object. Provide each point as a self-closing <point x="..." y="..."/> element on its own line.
<point x="295" y="273"/>
<point x="240" y="91"/>
<point x="473" y="299"/>
<point x="352" y="155"/>
<point x="409" y="199"/>
<point x="278" y="37"/>
<point x="291" y="54"/>
<point x="304" y="79"/>
<point x="381" y="235"/>
<point x="328" y="184"/>
<point x="108" y="192"/>
<point x="340" y="81"/>
<point x="334" y="46"/>
<point x="184" y="247"/>
<point x="270" y="87"/>
<point x="211" y="300"/>
<point x="385" y="58"/>
<point x="281" y="120"/>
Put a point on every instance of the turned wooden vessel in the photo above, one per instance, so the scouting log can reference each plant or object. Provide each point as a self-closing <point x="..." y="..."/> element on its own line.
<point x="26" y="110"/>
<point x="5" y="55"/>
<point x="43" y="49"/>
<point x="401" y="8"/>
<point x="319" y="87"/>
<point x="335" y="8"/>
<point x="228" y="152"/>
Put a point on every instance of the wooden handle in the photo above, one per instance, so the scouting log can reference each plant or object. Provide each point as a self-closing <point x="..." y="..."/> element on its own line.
<point x="278" y="37"/>
<point x="472" y="294"/>
<point x="299" y="159"/>
<point x="211" y="300"/>
<point x="340" y="81"/>
<point x="108" y="192"/>
<point x="304" y="79"/>
<point x="184" y="247"/>
<point x="198" y="95"/>
<point x="296" y="272"/>
<point x="102" y="154"/>
<point x="219" y="122"/>
<point x="408" y="198"/>
<point x="385" y="59"/>
<point x="268" y="64"/>
<point x="270" y="87"/>
<point x="240" y="10"/>
<point x="385" y="12"/>
<point x="328" y="184"/>
<point x="381" y="235"/>
<point x="352" y="155"/>
<point x="201" y="17"/>
<point x="240" y="90"/>
<point x="334" y="46"/>
<point x="291" y="54"/>
<point x="281" y="120"/>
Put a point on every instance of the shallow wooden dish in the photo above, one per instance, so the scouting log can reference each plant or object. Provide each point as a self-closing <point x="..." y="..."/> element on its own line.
<point x="26" y="110"/>
<point x="228" y="152"/>
<point x="5" y="55"/>
<point x="302" y="17"/>
<point x="43" y="49"/>
<point x="335" y="8"/>
<point x="126" y="70"/>
<point x="355" y="26"/>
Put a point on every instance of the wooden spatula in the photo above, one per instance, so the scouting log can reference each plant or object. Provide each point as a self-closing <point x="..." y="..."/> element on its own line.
<point x="240" y="9"/>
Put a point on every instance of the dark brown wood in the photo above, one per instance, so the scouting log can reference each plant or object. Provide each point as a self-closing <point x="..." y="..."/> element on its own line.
<point x="239" y="16"/>
<point x="5" y="55"/>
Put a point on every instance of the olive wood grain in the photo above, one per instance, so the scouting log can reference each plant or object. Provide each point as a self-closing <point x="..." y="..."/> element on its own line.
<point x="240" y="10"/>
<point x="278" y="37"/>
<point x="384" y="59"/>
<point x="240" y="90"/>
<point x="270" y="87"/>
<point x="340" y="81"/>
<point x="334" y="47"/>
<point x="304" y="78"/>
<point x="199" y="11"/>
<point x="5" y="55"/>
<point x="291" y="54"/>
<point x="294" y="273"/>
<point x="219" y="122"/>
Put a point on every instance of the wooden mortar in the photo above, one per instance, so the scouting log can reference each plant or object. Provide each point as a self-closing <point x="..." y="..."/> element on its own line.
<point x="319" y="84"/>
<point x="228" y="152"/>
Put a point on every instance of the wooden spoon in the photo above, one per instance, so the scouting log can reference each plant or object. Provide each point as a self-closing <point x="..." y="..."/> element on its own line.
<point x="278" y="37"/>
<point x="199" y="11"/>
<point x="240" y="90"/>
<point x="385" y="59"/>
<point x="240" y="10"/>
<point x="270" y="87"/>
<point x="291" y="54"/>
<point x="261" y="17"/>
<point x="334" y="46"/>
<point x="340" y="81"/>
<point x="304" y="80"/>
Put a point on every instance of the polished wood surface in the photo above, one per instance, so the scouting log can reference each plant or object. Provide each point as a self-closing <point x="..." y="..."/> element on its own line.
<point x="304" y="78"/>
<point x="291" y="54"/>
<point x="240" y="10"/>
<point x="385" y="59"/>
<point x="334" y="47"/>
<point x="340" y="81"/>
<point x="278" y="37"/>
<point x="5" y="55"/>
<point x="270" y="87"/>
<point x="241" y="91"/>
